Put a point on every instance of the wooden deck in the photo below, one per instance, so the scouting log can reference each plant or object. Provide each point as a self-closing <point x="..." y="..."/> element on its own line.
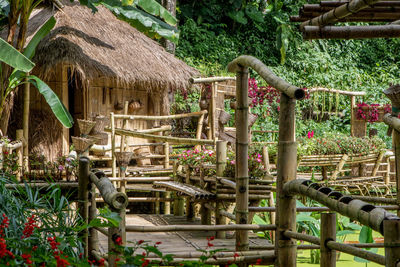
<point x="173" y="242"/>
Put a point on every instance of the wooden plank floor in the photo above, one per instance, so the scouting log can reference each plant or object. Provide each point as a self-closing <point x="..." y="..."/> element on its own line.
<point x="173" y="242"/>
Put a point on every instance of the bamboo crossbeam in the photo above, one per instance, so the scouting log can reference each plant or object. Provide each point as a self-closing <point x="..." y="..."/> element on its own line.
<point x="351" y="32"/>
<point x="330" y="3"/>
<point x="233" y="196"/>
<point x="273" y="80"/>
<point x="227" y="182"/>
<point x="307" y="8"/>
<point x="304" y="237"/>
<point x="143" y="199"/>
<point x="334" y="91"/>
<point x="172" y="140"/>
<point x="62" y="185"/>
<point x="364" y="254"/>
<point x="227" y="215"/>
<point x="314" y="209"/>
<point x="142" y="179"/>
<point x="219" y="254"/>
<point x="166" y="117"/>
<point x="182" y="228"/>
<point x="339" y="12"/>
<point x="266" y="258"/>
<point x="211" y="79"/>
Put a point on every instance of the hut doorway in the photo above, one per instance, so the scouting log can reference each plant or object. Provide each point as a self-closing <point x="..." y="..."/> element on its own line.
<point x="75" y="103"/>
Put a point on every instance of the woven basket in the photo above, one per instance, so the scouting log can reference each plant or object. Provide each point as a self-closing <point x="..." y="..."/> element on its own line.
<point x="134" y="106"/>
<point x="101" y="122"/>
<point x="81" y="144"/>
<point x="123" y="158"/>
<point x="85" y="126"/>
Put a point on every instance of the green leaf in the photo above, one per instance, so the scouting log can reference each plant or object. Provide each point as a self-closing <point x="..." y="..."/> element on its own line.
<point x="155" y="9"/>
<point x="144" y="22"/>
<point x="344" y="232"/>
<point x="258" y="220"/>
<point x="14" y="58"/>
<point x="58" y="108"/>
<point x="29" y="51"/>
<point x="238" y="16"/>
<point x="112" y="217"/>
<point x="253" y="13"/>
<point x="365" y="235"/>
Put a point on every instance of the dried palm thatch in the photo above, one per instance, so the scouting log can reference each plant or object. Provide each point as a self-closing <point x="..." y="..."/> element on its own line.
<point x="101" y="46"/>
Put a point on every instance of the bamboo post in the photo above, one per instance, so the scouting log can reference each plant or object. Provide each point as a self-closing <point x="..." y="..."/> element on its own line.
<point x="124" y="122"/>
<point x="178" y="200"/>
<point x="339" y="167"/>
<point x="20" y="136"/>
<point x="221" y="165"/>
<point x="113" y="159"/>
<point x="241" y="172"/>
<point x="83" y="199"/>
<point x="392" y="242"/>
<point x="113" y="234"/>
<point x="387" y="174"/>
<point x="213" y="110"/>
<point x="93" y="242"/>
<point x="378" y="163"/>
<point x="199" y="129"/>
<point x="1" y="155"/>
<point x="266" y="159"/>
<point x="204" y="211"/>
<point x="328" y="233"/>
<point x="396" y="144"/>
<point x="189" y="204"/>
<point x="287" y="166"/>
<point x="167" y="205"/>
<point x="352" y="115"/>
<point x="25" y="126"/>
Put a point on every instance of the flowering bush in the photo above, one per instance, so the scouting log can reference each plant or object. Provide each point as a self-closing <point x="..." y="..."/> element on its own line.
<point x="370" y="112"/>
<point x="197" y="157"/>
<point x="263" y="95"/>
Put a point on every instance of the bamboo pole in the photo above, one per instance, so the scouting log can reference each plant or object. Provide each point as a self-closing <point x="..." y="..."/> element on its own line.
<point x="338" y="13"/>
<point x="182" y="228"/>
<point x="113" y="233"/>
<point x="241" y="172"/>
<point x="20" y="136"/>
<point x="25" y="126"/>
<point x="391" y="237"/>
<point x="143" y="199"/>
<point x="339" y="167"/>
<point x="334" y="91"/>
<point x="113" y="159"/>
<point x="93" y="240"/>
<point x="378" y="163"/>
<point x="267" y="75"/>
<point x="213" y="110"/>
<point x="287" y="166"/>
<point x="352" y="115"/>
<point x="351" y="32"/>
<point x="328" y="233"/>
<point x="266" y="159"/>
<point x="124" y="122"/>
<point x="199" y="129"/>
<point x="173" y="140"/>
<point x="189" y="204"/>
<point x="314" y="209"/>
<point x="211" y="79"/>
<point x="166" y="117"/>
<point x="178" y="200"/>
<point x="220" y="168"/>
<point x="365" y="254"/>
<point x="83" y="199"/>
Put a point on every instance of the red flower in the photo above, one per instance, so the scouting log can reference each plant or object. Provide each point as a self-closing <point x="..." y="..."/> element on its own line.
<point x="145" y="263"/>
<point x="210" y="244"/>
<point x="4" y="224"/>
<point x="140" y="242"/>
<point x="258" y="261"/>
<point x="211" y="238"/>
<point x="61" y="262"/>
<point x="29" y="227"/>
<point x="118" y="241"/>
<point x="158" y="243"/>
<point x="27" y="258"/>
<point x="101" y="262"/>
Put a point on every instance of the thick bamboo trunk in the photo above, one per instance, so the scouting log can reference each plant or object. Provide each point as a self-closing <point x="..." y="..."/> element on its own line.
<point x="241" y="172"/>
<point x="83" y="199"/>
<point x="25" y="126"/>
<point x="392" y="236"/>
<point x="328" y="233"/>
<point x="220" y="168"/>
<point x="287" y="166"/>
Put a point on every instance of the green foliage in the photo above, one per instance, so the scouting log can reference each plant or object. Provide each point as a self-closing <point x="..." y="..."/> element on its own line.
<point x="14" y="58"/>
<point x="366" y="237"/>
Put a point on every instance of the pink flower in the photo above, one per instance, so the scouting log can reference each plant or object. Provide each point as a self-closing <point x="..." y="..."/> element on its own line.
<point x="310" y="134"/>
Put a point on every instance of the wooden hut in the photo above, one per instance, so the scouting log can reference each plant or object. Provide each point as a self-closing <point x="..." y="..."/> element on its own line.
<point x="95" y="62"/>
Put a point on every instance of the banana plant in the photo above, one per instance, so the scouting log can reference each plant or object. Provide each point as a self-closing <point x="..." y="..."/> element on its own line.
<point x="21" y="64"/>
<point x="148" y="16"/>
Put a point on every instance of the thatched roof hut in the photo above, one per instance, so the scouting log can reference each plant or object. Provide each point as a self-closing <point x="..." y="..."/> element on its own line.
<point x="96" y="62"/>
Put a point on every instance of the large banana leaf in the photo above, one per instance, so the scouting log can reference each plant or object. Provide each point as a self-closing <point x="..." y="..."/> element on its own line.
<point x="54" y="102"/>
<point x="144" y="22"/>
<point x="154" y="8"/>
<point x="14" y="58"/>
<point x="29" y="51"/>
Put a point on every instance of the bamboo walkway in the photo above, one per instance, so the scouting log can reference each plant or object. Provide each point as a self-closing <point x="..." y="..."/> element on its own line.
<point x="182" y="242"/>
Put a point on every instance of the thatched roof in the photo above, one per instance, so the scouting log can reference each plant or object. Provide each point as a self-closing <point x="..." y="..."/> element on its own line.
<point x="100" y="45"/>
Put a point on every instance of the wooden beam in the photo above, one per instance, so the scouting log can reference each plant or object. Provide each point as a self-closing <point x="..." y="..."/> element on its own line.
<point x="351" y="32"/>
<point x="211" y="79"/>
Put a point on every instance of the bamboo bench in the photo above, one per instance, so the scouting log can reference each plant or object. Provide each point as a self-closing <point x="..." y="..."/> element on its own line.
<point x="343" y="162"/>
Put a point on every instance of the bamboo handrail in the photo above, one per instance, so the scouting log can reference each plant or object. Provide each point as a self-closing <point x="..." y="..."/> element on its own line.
<point x="273" y="80"/>
<point x="101" y="230"/>
<point x="211" y="79"/>
<point x="227" y="182"/>
<point x="337" y="13"/>
<point x="322" y="89"/>
<point x="304" y="237"/>
<point x="166" y="117"/>
<point x="355" y="209"/>
<point x="313" y="209"/>
<point x="182" y="228"/>
<point x="173" y="140"/>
